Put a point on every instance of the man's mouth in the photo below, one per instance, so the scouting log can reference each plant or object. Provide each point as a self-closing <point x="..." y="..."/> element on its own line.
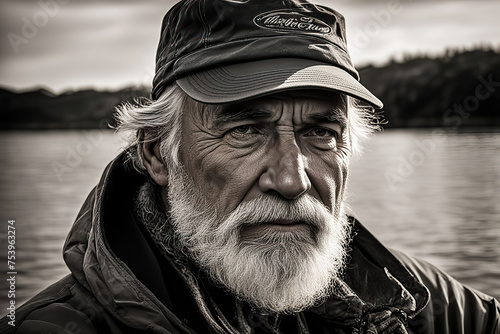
<point x="284" y="222"/>
<point x="275" y="226"/>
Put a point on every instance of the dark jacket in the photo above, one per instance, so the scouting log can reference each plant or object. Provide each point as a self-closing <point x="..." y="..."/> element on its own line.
<point x="120" y="282"/>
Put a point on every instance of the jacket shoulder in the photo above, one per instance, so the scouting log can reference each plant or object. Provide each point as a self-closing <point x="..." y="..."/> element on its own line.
<point x="454" y="307"/>
<point x="64" y="307"/>
<point x="56" y="318"/>
<point x="57" y="291"/>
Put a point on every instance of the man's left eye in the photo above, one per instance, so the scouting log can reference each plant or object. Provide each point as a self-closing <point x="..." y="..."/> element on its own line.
<point x="321" y="132"/>
<point x="242" y="129"/>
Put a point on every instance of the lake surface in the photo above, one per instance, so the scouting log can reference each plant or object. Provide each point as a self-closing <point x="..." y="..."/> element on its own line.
<point x="432" y="195"/>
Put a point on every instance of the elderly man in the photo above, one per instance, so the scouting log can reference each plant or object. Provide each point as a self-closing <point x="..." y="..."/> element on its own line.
<point x="226" y="214"/>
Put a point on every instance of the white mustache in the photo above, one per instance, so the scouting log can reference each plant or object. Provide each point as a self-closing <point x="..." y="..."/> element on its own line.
<point x="269" y="208"/>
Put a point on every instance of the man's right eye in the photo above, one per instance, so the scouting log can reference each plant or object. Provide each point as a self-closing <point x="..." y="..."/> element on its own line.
<point x="242" y="129"/>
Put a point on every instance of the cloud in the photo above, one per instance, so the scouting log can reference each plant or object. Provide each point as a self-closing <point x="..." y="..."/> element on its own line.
<point x="111" y="44"/>
<point x="376" y="33"/>
<point x="85" y="44"/>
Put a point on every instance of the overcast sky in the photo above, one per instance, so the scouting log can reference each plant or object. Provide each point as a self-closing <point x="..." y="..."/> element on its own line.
<point x="109" y="44"/>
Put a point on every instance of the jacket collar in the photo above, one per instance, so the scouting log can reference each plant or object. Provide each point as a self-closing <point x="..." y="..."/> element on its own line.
<point x="376" y="289"/>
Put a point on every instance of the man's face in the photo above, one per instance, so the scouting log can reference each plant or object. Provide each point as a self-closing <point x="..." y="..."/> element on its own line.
<point x="257" y="200"/>
<point x="287" y="145"/>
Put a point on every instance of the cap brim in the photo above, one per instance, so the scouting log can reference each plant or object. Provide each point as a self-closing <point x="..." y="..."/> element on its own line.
<point x="243" y="81"/>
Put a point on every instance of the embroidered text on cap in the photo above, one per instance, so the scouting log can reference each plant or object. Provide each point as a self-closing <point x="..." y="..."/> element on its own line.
<point x="291" y="21"/>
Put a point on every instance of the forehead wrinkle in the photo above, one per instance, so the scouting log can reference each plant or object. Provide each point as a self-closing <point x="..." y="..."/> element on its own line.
<point x="207" y="113"/>
<point x="200" y="112"/>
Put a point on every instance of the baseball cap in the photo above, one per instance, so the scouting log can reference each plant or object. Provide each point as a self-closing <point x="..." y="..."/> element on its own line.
<point x="221" y="51"/>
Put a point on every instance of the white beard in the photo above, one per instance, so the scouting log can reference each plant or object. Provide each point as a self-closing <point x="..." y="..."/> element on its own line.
<point x="281" y="272"/>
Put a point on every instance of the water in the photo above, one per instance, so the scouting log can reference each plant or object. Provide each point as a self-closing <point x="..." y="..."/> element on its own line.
<point x="444" y="209"/>
<point x="436" y="197"/>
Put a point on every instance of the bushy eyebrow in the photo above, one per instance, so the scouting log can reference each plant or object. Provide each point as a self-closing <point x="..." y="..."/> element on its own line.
<point x="331" y="116"/>
<point x="231" y="115"/>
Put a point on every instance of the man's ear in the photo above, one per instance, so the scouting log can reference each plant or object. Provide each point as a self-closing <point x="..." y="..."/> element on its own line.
<point x="153" y="162"/>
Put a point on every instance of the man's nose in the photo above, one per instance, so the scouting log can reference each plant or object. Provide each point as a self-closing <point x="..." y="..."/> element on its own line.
<point x="286" y="171"/>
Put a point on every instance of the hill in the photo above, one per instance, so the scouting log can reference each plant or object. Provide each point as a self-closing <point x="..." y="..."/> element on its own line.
<point x="41" y="109"/>
<point x="459" y="89"/>
<point x="456" y="89"/>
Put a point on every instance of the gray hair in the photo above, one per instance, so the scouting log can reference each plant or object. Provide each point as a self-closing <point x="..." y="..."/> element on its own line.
<point x="151" y="121"/>
<point x="161" y="120"/>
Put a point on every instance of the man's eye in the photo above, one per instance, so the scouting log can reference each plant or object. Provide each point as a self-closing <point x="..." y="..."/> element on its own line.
<point x="245" y="130"/>
<point x="242" y="129"/>
<point x="321" y="132"/>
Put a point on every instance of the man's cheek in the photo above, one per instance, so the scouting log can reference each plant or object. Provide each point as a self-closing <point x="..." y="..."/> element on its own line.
<point x="336" y="179"/>
<point x="212" y="181"/>
<point x="336" y="164"/>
